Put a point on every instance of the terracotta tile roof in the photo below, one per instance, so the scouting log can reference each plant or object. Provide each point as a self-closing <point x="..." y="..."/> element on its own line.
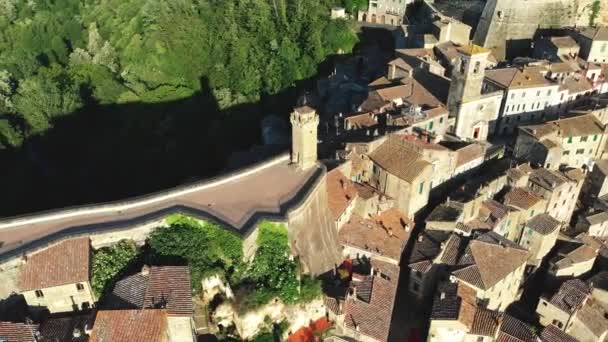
<point x="503" y="77"/>
<point x="521" y="198"/>
<point x="544" y="224"/>
<point x="594" y="318"/>
<point x="485" y="322"/>
<point x="583" y="125"/>
<point x="64" y="263"/>
<point x="383" y="235"/>
<point x="513" y="330"/>
<point x="333" y="304"/>
<point x="551" y="333"/>
<point x="548" y="179"/>
<point x="420" y="95"/>
<point x="574" y="253"/>
<point x="18" y="332"/>
<point x="576" y="84"/>
<point x="446" y="305"/>
<point x="340" y="192"/>
<point x="382" y="81"/>
<point x="373" y="319"/>
<point x="169" y="287"/>
<point x="451" y="251"/>
<point x="515" y="78"/>
<point x="399" y="159"/>
<point x="304" y="110"/>
<point x="427" y="245"/>
<point x="164" y="287"/>
<point x="395" y="92"/>
<point x="571" y="295"/>
<point x="61" y="329"/>
<point x="492" y="263"/>
<point x="421" y="266"/>
<point x="367" y="191"/>
<point x="400" y="63"/>
<point x="129" y="326"/>
<point x="446" y="212"/>
<point x="359" y="121"/>
<point x="469" y="153"/>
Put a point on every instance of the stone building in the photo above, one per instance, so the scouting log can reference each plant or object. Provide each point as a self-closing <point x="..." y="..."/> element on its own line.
<point x="593" y="42"/>
<point x="573" y="310"/>
<point x="304" y="123"/>
<point x="401" y="172"/>
<point x="594" y="224"/>
<point x="58" y="278"/>
<point x="493" y="271"/>
<point x="387" y="12"/>
<point x="596" y="184"/>
<point x="539" y="236"/>
<point x="456" y="316"/>
<point x="574" y="258"/>
<point x="575" y="142"/>
<point x="560" y="189"/>
<point x="556" y="48"/>
<point x="475" y="112"/>
<point x="528" y="96"/>
<point x="157" y="287"/>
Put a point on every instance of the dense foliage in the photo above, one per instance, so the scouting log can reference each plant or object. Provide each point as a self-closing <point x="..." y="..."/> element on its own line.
<point x="208" y="248"/>
<point x="275" y="273"/>
<point x="109" y="263"/>
<point x="595" y="10"/>
<point x="103" y="90"/>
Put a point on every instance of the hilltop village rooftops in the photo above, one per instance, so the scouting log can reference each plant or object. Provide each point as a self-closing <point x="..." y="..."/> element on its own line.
<point x="454" y="302"/>
<point x="428" y="245"/>
<point x="548" y="179"/>
<point x="516" y="78"/>
<point x="399" y="159"/>
<point x="383" y="235"/>
<point x="129" y="325"/>
<point x="543" y="224"/>
<point x="489" y="263"/>
<point x="572" y="252"/>
<point x="521" y="198"/>
<point x="552" y="333"/>
<point x="18" y="332"/>
<point x="370" y="310"/>
<point x="66" y="262"/>
<point x="408" y="89"/>
<point x="167" y="287"/>
<point x="61" y="328"/>
<point x="577" y="126"/>
<point x="570" y="295"/>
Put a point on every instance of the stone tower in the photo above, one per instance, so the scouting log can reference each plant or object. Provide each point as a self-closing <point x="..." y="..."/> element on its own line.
<point x="467" y="76"/>
<point x="304" y="122"/>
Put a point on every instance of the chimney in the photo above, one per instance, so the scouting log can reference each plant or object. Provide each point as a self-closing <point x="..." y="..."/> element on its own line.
<point x="145" y="270"/>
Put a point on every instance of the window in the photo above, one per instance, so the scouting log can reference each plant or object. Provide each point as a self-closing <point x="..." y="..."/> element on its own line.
<point x="549" y="92"/>
<point x="441" y="120"/>
<point x="583" y="139"/>
<point x="580" y="151"/>
<point x="512" y="96"/>
<point x="39" y="294"/>
<point x="604" y="47"/>
<point x="477" y="67"/>
<point x="431" y="125"/>
<point x="532" y="213"/>
<point x="570" y="140"/>
<point x="79" y="287"/>
<point x="566" y="153"/>
<point x="421" y="188"/>
<point x="480" y="339"/>
<point x="538" y="93"/>
<point x="595" y="137"/>
<point x="590" y="151"/>
<point x="523" y="94"/>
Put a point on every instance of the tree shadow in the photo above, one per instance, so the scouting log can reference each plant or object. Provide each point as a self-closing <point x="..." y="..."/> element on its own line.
<point x="105" y="153"/>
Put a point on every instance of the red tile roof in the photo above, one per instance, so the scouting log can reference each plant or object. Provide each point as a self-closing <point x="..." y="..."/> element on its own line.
<point x="521" y="198"/>
<point x="373" y="319"/>
<point x="129" y="326"/>
<point x="18" y="332"/>
<point x="399" y="159"/>
<point x="170" y="285"/>
<point x="64" y="263"/>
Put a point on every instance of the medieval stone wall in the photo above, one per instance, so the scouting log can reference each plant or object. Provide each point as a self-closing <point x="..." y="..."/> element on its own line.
<point x="508" y="26"/>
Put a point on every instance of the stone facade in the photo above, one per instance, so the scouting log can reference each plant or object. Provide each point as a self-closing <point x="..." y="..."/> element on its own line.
<point x="508" y="30"/>
<point x="63" y="298"/>
<point x="386" y="12"/>
<point x="475" y="112"/>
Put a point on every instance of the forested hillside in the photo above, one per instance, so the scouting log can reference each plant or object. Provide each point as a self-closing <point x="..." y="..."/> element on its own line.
<point x="107" y="98"/>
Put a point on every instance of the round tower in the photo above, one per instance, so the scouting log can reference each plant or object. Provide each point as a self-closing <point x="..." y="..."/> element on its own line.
<point x="304" y="123"/>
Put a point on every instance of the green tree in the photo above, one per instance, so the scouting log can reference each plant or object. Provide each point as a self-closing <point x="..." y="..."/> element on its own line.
<point x="109" y="263"/>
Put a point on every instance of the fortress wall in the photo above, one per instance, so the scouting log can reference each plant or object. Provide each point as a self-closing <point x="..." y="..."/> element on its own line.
<point x="510" y="25"/>
<point x="313" y="234"/>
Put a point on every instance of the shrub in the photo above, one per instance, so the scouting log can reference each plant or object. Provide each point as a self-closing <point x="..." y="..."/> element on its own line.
<point x="109" y="263"/>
